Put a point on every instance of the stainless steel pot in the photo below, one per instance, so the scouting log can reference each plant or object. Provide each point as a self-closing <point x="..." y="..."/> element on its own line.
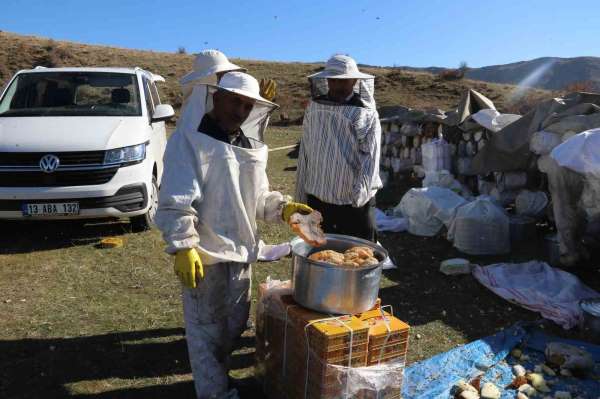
<point x="331" y="289"/>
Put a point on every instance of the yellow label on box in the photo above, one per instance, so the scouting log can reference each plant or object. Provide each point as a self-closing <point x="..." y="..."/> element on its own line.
<point x="379" y="322"/>
<point x="340" y="326"/>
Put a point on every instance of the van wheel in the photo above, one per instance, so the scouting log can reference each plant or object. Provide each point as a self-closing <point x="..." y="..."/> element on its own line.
<point x="144" y="222"/>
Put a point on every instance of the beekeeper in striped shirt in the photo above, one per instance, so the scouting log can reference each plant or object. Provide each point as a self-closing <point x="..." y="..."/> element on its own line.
<point x="338" y="163"/>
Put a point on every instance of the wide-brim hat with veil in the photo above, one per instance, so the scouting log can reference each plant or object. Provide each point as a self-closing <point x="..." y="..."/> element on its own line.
<point x="242" y="84"/>
<point x="208" y="63"/>
<point x="343" y="67"/>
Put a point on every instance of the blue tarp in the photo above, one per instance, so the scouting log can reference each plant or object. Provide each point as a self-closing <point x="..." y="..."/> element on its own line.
<point x="435" y="377"/>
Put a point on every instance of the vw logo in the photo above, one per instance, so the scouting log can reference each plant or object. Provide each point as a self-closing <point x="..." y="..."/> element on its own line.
<point x="49" y="163"/>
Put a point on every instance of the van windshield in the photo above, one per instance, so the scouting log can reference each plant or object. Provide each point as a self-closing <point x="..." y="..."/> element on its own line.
<point x="72" y="94"/>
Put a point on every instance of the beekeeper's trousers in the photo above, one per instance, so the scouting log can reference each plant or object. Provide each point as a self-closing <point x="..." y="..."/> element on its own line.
<point x="216" y="314"/>
<point x="347" y="220"/>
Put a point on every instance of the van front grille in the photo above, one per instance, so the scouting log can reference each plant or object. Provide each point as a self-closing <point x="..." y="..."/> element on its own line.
<point x="66" y="158"/>
<point x="58" y="178"/>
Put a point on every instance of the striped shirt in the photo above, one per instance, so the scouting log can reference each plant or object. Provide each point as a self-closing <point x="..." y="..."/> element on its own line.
<point x="338" y="160"/>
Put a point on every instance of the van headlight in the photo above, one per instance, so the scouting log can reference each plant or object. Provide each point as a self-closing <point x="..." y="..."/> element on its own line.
<point x="135" y="153"/>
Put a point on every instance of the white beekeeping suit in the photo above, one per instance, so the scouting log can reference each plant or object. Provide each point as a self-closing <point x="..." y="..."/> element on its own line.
<point x="207" y="65"/>
<point x="211" y="196"/>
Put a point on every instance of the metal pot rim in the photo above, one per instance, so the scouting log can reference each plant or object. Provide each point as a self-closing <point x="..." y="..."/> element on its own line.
<point x="351" y="240"/>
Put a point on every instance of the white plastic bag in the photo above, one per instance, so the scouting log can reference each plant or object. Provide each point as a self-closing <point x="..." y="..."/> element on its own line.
<point x="445" y="179"/>
<point x="531" y="203"/>
<point x="580" y="153"/>
<point x="481" y="227"/>
<point x="428" y="209"/>
<point x="436" y="155"/>
<point x="390" y="223"/>
<point x="419" y="171"/>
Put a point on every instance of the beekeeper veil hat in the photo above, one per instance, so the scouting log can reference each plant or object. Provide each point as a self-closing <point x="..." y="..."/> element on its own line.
<point x="207" y="65"/>
<point x="245" y="85"/>
<point x="343" y="67"/>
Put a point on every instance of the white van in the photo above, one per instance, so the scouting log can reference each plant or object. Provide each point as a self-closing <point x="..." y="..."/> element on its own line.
<point x="82" y="143"/>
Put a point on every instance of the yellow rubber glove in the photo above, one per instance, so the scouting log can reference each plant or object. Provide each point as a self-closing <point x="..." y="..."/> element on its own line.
<point x="294" y="207"/>
<point x="268" y="89"/>
<point x="187" y="266"/>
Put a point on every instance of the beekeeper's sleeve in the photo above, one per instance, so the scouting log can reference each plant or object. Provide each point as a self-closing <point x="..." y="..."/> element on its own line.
<point x="369" y="143"/>
<point x="300" y="194"/>
<point x="269" y="205"/>
<point x="180" y="189"/>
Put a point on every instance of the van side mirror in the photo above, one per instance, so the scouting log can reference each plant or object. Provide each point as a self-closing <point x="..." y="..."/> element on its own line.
<point x="162" y="112"/>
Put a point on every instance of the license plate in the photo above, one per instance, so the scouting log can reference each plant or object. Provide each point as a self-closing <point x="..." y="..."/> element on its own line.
<point x="51" y="209"/>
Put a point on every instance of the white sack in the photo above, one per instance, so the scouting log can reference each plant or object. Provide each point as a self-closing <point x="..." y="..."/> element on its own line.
<point x="445" y="179"/>
<point x="481" y="227"/>
<point x="531" y="203"/>
<point x="390" y="223"/>
<point x="580" y="153"/>
<point x="436" y="155"/>
<point x="428" y="209"/>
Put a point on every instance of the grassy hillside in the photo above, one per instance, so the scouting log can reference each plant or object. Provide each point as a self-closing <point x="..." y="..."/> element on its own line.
<point x="549" y="72"/>
<point x="393" y="86"/>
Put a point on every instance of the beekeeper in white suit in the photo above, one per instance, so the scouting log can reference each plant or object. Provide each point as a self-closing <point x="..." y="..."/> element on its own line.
<point x="214" y="188"/>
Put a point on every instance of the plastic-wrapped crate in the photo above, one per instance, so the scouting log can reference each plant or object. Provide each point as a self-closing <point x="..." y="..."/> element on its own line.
<point x="303" y="354"/>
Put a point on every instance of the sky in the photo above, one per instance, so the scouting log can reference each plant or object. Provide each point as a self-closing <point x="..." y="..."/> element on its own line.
<point x="381" y="32"/>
